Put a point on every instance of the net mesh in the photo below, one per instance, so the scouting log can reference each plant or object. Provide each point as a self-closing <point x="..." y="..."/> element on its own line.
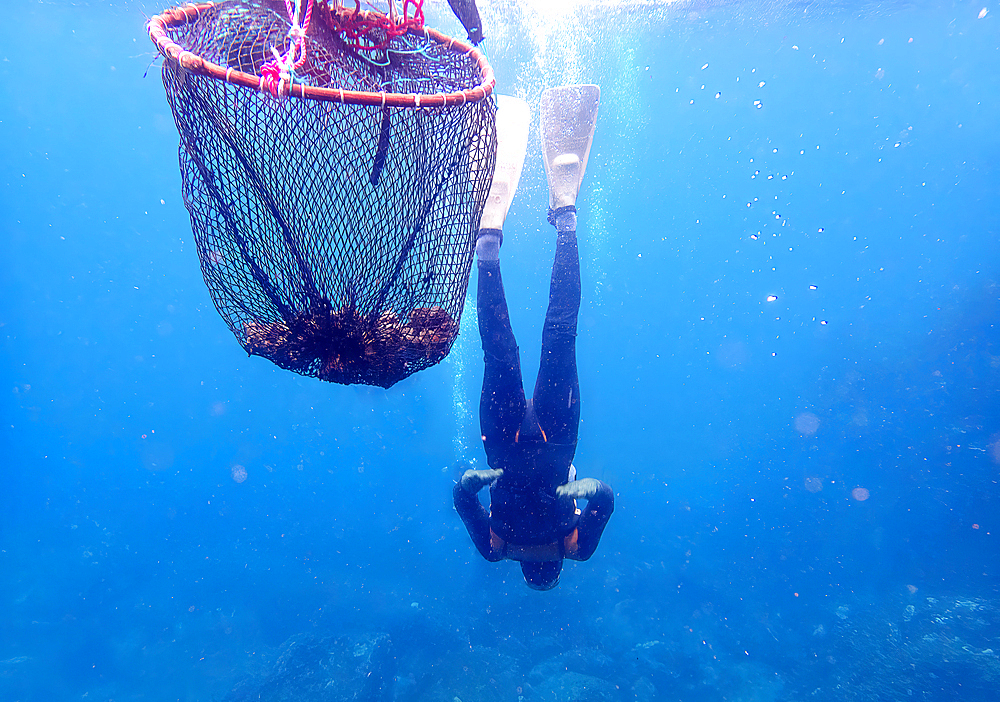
<point x="336" y="240"/>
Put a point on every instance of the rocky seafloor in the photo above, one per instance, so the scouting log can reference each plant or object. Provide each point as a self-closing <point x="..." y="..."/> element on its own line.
<point x="914" y="647"/>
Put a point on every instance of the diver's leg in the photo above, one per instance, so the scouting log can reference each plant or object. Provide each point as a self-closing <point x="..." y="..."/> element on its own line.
<point x="557" y="388"/>
<point x="568" y="117"/>
<point x="501" y="405"/>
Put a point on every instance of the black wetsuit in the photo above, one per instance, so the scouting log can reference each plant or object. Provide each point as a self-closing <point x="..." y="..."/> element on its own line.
<point x="532" y="441"/>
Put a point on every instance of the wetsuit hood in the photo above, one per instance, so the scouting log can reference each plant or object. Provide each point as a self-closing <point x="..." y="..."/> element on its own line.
<point x="541" y="575"/>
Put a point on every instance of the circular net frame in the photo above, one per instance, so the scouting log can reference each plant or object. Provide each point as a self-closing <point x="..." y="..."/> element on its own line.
<point x="335" y="229"/>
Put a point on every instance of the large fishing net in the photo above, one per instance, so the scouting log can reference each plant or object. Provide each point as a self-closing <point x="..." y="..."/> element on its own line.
<point x="335" y="164"/>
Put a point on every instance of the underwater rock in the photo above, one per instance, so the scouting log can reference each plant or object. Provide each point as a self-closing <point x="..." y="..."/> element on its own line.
<point x="947" y="647"/>
<point x="316" y="669"/>
<point x="580" y="660"/>
<point x="667" y="668"/>
<point x="479" y="674"/>
<point x="576" y="687"/>
<point x="644" y="690"/>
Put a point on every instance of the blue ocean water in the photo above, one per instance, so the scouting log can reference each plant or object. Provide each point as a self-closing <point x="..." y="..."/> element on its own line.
<point x="788" y="354"/>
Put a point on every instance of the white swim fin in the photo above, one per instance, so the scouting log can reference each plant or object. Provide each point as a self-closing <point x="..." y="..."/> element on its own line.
<point x="513" y="119"/>
<point x="568" y="119"/>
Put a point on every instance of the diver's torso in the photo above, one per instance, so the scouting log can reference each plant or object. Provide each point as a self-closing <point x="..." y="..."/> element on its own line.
<point x="524" y="507"/>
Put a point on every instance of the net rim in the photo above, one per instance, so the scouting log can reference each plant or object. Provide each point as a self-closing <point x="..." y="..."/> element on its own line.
<point x="159" y="25"/>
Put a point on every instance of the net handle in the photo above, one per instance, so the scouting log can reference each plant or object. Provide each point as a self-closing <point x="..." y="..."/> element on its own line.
<point x="172" y="51"/>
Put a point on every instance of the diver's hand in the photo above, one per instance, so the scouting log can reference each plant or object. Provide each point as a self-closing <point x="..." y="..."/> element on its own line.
<point x="475" y="480"/>
<point x="579" y="489"/>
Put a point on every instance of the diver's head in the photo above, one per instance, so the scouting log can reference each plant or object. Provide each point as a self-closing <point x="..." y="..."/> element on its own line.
<point x="541" y="575"/>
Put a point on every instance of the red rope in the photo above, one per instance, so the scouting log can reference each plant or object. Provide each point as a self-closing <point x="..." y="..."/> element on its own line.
<point x="356" y="27"/>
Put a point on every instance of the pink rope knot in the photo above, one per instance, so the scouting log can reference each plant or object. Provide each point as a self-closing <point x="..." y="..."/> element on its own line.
<point x="278" y="74"/>
<point x="270" y="75"/>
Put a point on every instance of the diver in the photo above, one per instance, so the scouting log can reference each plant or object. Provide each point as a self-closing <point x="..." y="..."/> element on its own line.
<point x="530" y="443"/>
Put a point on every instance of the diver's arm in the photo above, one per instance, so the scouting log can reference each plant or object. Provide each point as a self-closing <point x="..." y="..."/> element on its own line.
<point x="600" y="505"/>
<point x="476" y="520"/>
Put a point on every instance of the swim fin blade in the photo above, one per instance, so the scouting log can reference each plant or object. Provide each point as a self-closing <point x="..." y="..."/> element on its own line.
<point x="513" y="119"/>
<point x="568" y="120"/>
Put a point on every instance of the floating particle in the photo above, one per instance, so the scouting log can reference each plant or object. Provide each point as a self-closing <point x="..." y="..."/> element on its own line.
<point x="881" y="42"/>
<point x="813" y="484"/>
<point x="880" y="73"/>
<point x="823" y="322"/>
<point x="757" y="104"/>
<point x="860" y="494"/>
<point x="794" y="47"/>
<point x="704" y="67"/>
<point x="813" y="287"/>
<point x="239" y="473"/>
<point x="821" y="230"/>
<point x="760" y="84"/>
<point x="982" y="13"/>
<point x="718" y="95"/>
<point x="807" y="423"/>
<point x="755" y="236"/>
<point x="772" y="298"/>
